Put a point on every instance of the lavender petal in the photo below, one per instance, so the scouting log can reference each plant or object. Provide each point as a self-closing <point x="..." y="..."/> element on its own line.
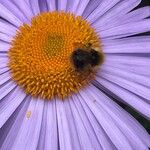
<point x="29" y="133"/>
<point x="9" y="104"/>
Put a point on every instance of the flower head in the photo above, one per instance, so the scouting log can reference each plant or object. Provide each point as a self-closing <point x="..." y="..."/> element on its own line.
<point x="40" y="55"/>
<point x="61" y="65"/>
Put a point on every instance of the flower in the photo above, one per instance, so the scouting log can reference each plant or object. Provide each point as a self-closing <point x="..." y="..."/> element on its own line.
<point x="88" y="119"/>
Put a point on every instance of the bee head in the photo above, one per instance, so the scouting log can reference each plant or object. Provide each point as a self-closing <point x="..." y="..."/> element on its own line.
<point x="80" y="59"/>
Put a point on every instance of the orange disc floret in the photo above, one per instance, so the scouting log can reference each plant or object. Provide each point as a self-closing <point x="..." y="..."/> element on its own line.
<point x="39" y="57"/>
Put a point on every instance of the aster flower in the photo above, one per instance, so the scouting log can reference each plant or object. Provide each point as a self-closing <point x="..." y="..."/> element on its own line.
<point x="45" y="103"/>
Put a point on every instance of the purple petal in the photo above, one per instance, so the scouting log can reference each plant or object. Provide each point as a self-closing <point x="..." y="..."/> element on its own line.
<point x="62" y="5"/>
<point x="24" y="6"/>
<point x="3" y="62"/>
<point x="29" y="133"/>
<point x="49" y="137"/>
<point x="7" y="28"/>
<point x="92" y="128"/>
<point x="107" y="122"/>
<point x="133" y="16"/>
<point x="10" y="130"/>
<point x="14" y="9"/>
<point x="125" y="96"/>
<point x="72" y="5"/>
<point x="51" y="5"/>
<point x="83" y="135"/>
<point x="103" y="7"/>
<point x="125" y="74"/>
<point x="140" y="44"/>
<point x="35" y="7"/>
<point x="102" y="137"/>
<point x="116" y="12"/>
<point x="92" y="5"/>
<point x="128" y="60"/>
<point x="63" y="127"/>
<point x="3" y="55"/>
<point x="4" y="47"/>
<point x="9" y="104"/>
<point x="3" y="70"/>
<point x="4" y="78"/>
<point x="72" y="125"/>
<point x="126" y="29"/>
<point x="43" y="5"/>
<point x="6" y="38"/>
<point x="9" y="16"/>
<point x="112" y="76"/>
<point x="81" y="7"/>
<point x="135" y="133"/>
<point x="141" y="71"/>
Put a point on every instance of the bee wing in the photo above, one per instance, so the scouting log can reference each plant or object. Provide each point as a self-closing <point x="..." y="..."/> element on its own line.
<point x="97" y="49"/>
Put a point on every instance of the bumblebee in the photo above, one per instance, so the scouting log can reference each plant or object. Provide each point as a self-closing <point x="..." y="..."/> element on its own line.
<point x="86" y="58"/>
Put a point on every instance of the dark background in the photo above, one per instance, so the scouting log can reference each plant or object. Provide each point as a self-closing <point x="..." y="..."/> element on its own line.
<point x="136" y="115"/>
<point x="144" y="3"/>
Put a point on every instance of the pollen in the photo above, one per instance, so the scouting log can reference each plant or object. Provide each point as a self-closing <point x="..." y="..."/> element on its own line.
<point x="39" y="56"/>
<point x="28" y="114"/>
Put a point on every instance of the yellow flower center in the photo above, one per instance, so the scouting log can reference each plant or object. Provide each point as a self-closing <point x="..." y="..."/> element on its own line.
<point x="40" y="55"/>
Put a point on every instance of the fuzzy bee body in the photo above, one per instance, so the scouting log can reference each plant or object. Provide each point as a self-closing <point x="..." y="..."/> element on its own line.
<point x="86" y="58"/>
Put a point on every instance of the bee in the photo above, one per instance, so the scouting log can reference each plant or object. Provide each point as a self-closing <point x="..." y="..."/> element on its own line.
<point x="86" y="58"/>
